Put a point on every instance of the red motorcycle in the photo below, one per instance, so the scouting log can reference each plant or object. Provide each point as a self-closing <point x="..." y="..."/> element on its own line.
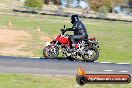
<point x="87" y="49"/>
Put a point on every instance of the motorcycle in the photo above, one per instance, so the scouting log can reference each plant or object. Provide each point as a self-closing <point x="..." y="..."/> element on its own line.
<point x="87" y="49"/>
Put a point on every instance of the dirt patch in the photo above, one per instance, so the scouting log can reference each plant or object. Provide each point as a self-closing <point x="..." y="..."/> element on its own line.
<point x="45" y="37"/>
<point x="12" y="41"/>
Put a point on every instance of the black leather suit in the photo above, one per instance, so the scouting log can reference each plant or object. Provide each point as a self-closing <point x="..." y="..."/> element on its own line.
<point x="80" y="32"/>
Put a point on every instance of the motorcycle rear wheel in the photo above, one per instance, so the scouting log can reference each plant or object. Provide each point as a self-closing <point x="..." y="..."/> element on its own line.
<point x="48" y="53"/>
<point x="94" y="58"/>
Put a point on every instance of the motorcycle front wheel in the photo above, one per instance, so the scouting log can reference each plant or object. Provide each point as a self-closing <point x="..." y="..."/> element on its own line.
<point x="91" y="54"/>
<point x="51" y="52"/>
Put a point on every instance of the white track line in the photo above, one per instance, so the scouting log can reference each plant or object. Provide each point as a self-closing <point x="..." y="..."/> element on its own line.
<point x="122" y="63"/>
<point x="95" y="61"/>
<point x="123" y="71"/>
<point x="104" y="62"/>
<point x="108" y="70"/>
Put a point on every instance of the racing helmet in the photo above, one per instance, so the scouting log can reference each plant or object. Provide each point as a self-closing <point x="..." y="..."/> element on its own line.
<point x="74" y="18"/>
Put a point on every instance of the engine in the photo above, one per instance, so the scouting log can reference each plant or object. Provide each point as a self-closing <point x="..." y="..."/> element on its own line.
<point x="76" y="52"/>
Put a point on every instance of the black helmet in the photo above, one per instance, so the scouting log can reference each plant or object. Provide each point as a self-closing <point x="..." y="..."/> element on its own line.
<point x="74" y="18"/>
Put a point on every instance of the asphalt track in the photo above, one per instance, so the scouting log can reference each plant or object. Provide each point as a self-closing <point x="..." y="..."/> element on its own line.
<point x="10" y="64"/>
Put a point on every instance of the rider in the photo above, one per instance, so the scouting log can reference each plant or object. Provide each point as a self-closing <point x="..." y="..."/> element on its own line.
<point x="79" y="29"/>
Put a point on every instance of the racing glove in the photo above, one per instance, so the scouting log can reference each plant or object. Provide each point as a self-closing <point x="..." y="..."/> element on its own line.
<point x="63" y="31"/>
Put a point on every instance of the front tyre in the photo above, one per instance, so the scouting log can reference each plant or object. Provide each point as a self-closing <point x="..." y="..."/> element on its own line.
<point x="91" y="54"/>
<point x="51" y="52"/>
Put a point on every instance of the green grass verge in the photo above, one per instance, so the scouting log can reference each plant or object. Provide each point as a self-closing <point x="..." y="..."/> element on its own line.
<point x="37" y="81"/>
<point x="115" y="37"/>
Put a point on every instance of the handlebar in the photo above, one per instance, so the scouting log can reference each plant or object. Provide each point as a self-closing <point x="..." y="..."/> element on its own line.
<point x="63" y="31"/>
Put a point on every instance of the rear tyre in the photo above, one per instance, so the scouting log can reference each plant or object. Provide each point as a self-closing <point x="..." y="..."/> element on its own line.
<point x="93" y="57"/>
<point x="51" y="52"/>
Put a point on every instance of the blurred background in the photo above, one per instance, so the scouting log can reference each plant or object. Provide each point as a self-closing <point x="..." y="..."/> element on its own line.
<point x="111" y="9"/>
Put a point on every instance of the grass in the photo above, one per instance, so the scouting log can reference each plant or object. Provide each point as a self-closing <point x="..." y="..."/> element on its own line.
<point x="39" y="81"/>
<point x="115" y="37"/>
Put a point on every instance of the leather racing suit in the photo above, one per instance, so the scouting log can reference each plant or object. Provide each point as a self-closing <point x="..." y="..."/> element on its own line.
<point x="80" y="32"/>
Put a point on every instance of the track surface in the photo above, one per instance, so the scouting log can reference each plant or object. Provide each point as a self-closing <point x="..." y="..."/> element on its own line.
<point x="58" y="66"/>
